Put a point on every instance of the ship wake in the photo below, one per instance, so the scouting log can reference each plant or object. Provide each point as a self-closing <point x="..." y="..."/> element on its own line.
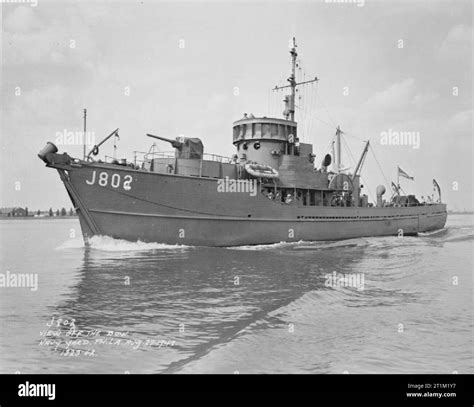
<point x="306" y="245"/>
<point x="109" y="244"/>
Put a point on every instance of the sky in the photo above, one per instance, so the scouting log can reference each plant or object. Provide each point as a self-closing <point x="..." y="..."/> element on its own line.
<point x="192" y="68"/>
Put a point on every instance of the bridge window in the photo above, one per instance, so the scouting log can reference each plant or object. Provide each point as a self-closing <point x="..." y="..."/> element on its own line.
<point x="265" y="130"/>
<point x="243" y="129"/>
<point x="258" y="130"/>
<point x="249" y="131"/>
<point x="236" y="132"/>
<point x="274" y="130"/>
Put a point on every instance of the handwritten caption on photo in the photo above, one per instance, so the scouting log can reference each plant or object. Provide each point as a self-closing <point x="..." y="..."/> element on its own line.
<point x="64" y="336"/>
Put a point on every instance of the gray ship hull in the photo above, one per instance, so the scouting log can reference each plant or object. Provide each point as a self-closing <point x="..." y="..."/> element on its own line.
<point x="129" y="204"/>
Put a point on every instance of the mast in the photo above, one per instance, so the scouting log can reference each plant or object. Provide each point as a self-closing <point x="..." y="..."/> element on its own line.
<point x="338" y="146"/>
<point x="84" y="150"/>
<point x="292" y="80"/>
<point x="289" y="100"/>
<point x="334" y="157"/>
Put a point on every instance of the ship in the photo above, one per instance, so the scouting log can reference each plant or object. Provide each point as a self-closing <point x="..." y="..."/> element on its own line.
<point x="271" y="190"/>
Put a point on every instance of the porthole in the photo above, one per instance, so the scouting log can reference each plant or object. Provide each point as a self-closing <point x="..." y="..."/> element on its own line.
<point x="256" y="145"/>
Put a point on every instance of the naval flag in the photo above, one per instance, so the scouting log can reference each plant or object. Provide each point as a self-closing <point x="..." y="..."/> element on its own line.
<point x="437" y="188"/>
<point x="404" y="174"/>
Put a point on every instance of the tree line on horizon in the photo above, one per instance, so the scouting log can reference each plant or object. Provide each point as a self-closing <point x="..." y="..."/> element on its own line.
<point x="24" y="212"/>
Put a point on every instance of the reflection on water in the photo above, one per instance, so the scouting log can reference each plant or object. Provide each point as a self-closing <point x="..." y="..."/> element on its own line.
<point x="200" y="297"/>
<point x="259" y="309"/>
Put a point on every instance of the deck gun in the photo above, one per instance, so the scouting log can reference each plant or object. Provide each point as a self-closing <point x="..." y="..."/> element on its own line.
<point x="185" y="147"/>
<point x="175" y="143"/>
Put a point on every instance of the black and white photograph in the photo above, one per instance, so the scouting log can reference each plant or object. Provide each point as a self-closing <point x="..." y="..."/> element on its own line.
<point x="255" y="188"/>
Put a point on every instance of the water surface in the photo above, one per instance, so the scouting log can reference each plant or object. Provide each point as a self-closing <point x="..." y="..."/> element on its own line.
<point x="262" y="309"/>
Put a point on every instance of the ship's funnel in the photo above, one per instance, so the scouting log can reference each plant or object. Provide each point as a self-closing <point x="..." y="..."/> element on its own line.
<point x="380" y="191"/>
<point x="327" y="161"/>
<point x="47" y="149"/>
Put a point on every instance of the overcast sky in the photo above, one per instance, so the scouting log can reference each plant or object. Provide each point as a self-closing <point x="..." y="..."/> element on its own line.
<point x="172" y="68"/>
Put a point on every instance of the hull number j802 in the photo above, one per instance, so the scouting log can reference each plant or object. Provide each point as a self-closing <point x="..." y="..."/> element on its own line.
<point x="114" y="180"/>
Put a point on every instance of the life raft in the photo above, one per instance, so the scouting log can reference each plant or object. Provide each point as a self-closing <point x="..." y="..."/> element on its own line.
<point x="261" y="171"/>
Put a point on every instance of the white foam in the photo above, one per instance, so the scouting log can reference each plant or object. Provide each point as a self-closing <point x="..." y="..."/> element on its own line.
<point x="433" y="233"/>
<point x="321" y="245"/>
<point x="306" y="245"/>
<point x="109" y="244"/>
<point x="266" y="246"/>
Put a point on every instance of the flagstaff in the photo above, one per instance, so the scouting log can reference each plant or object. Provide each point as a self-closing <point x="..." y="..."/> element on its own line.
<point x="84" y="141"/>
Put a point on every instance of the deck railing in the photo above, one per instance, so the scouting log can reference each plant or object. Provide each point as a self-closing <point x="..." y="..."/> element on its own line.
<point x="170" y="154"/>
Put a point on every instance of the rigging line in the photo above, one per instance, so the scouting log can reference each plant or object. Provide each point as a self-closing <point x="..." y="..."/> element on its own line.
<point x="313" y="115"/>
<point x="329" y="146"/>
<point x="302" y="102"/>
<point x="380" y="168"/>
<point x="306" y="106"/>
<point x="347" y="150"/>
<point x="312" y="108"/>
<point x="306" y="102"/>
<point x="309" y="109"/>
<point x="313" y="103"/>
<point x="276" y="95"/>
<point x="350" y="151"/>
<point x="327" y="111"/>
<point x="352" y="134"/>
<point x="326" y="123"/>
<point x="302" y="97"/>
<point x="346" y="147"/>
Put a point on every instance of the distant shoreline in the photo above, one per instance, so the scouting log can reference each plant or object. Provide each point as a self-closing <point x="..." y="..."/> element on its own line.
<point x="37" y="217"/>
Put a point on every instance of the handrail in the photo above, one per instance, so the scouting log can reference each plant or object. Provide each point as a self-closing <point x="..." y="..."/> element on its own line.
<point x="171" y="154"/>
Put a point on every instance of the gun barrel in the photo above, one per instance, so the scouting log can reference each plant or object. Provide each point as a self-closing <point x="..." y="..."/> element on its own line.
<point x="174" y="143"/>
